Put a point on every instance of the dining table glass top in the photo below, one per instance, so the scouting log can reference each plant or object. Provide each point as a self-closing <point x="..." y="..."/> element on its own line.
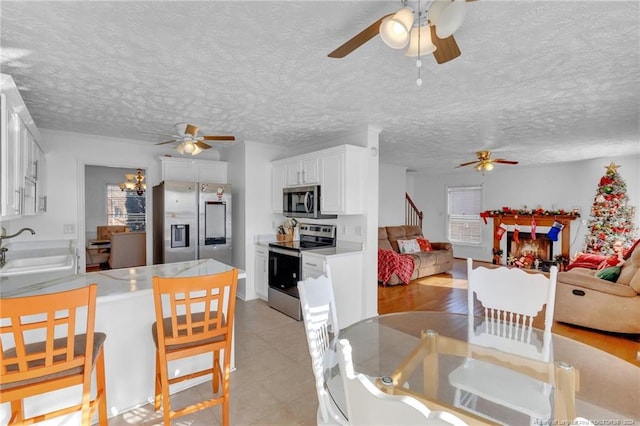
<point x="446" y="361"/>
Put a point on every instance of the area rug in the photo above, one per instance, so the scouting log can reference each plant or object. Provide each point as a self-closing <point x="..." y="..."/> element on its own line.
<point x="437" y="281"/>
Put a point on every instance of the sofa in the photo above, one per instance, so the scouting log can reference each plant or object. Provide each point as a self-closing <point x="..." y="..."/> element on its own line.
<point x="426" y="263"/>
<point x="588" y="301"/>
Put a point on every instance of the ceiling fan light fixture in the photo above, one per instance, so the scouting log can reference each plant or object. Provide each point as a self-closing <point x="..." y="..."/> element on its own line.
<point x="395" y="29"/>
<point x="447" y="16"/>
<point x="420" y="36"/>
<point x="189" y="147"/>
<point x="196" y="149"/>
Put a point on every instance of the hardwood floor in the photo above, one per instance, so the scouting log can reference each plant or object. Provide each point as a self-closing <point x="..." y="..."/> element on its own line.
<point x="441" y="295"/>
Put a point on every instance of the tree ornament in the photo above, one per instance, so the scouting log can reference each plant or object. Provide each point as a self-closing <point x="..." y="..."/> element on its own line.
<point x="612" y="168"/>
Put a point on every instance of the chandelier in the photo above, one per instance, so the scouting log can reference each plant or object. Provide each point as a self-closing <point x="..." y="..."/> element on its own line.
<point x="134" y="183"/>
<point x="415" y="29"/>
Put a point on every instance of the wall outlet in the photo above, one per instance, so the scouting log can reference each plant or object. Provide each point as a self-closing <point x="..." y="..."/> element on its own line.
<point x="69" y="228"/>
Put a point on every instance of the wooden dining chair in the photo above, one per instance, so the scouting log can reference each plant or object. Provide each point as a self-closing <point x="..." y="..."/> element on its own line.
<point x="194" y="315"/>
<point x="43" y="348"/>
<point x="511" y="298"/>
<point x="321" y="325"/>
<point x="368" y="405"/>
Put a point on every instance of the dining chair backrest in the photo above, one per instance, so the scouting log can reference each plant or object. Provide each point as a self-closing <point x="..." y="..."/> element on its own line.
<point x="321" y="325"/>
<point x="511" y="298"/>
<point x="47" y="342"/>
<point x="194" y="315"/>
<point x="368" y="405"/>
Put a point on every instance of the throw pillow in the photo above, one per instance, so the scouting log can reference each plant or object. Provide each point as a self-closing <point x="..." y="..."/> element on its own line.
<point x="424" y="244"/>
<point x="586" y="260"/>
<point x="610" y="274"/>
<point x="408" y="246"/>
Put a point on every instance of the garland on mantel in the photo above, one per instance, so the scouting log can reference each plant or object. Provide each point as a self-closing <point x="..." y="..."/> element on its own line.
<point x="530" y="212"/>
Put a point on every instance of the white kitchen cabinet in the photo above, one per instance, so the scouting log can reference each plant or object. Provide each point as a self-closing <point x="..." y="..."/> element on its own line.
<point x="341" y="180"/>
<point x="278" y="181"/>
<point x="192" y="170"/>
<point x="347" y="279"/>
<point x="303" y="171"/>
<point x="339" y="171"/>
<point x="20" y="155"/>
<point x="261" y="279"/>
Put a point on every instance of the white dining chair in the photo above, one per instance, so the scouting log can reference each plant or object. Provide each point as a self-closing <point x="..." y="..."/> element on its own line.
<point x="321" y="325"/>
<point x="511" y="298"/>
<point x="368" y="405"/>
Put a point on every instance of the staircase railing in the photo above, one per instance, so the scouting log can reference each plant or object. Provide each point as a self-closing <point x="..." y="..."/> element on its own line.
<point x="412" y="215"/>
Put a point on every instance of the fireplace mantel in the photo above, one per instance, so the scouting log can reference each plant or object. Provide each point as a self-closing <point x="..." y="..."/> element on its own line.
<point x="525" y="220"/>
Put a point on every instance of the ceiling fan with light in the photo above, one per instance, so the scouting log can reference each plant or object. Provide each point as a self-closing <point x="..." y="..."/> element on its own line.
<point x="189" y="142"/>
<point x="424" y="31"/>
<point x="485" y="163"/>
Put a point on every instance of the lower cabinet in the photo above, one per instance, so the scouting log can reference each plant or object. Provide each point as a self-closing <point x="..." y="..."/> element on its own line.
<point x="348" y="285"/>
<point x="261" y="270"/>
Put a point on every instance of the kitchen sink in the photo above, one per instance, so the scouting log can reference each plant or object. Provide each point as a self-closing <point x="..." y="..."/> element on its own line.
<point x="32" y="265"/>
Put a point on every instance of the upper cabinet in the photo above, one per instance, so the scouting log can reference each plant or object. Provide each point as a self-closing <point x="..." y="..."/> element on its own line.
<point x="22" y="159"/>
<point x="302" y="171"/>
<point x="191" y="170"/>
<point x="339" y="171"/>
<point x="341" y="180"/>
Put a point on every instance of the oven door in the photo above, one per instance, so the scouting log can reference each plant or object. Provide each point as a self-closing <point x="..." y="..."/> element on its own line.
<point x="284" y="270"/>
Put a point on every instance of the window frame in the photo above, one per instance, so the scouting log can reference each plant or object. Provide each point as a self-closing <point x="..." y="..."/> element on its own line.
<point x="114" y="188"/>
<point x="465" y="218"/>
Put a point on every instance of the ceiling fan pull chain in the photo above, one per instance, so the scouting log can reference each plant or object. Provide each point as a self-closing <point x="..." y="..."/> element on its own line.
<point x="419" y="61"/>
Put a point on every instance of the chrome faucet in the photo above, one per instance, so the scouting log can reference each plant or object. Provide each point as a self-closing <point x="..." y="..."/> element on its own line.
<point x="4" y="236"/>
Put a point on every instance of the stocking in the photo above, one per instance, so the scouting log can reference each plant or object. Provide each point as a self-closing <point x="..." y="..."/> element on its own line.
<point x="516" y="234"/>
<point x="533" y="228"/>
<point x="502" y="228"/>
<point x="555" y="229"/>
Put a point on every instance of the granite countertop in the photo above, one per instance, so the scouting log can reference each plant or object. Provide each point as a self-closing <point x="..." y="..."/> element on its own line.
<point x="112" y="284"/>
<point x="342" y="248"/>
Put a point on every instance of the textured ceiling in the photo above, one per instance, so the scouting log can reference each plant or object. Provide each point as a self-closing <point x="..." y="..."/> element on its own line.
<point x="537" y="81"/>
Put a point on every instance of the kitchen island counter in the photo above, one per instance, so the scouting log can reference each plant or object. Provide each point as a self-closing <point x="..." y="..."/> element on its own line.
<point x="125" y="312"/>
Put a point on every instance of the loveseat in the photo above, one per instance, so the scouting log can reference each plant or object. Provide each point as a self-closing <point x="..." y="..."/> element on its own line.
<point x="585" y="300"/>
<point x="436" y="261"/>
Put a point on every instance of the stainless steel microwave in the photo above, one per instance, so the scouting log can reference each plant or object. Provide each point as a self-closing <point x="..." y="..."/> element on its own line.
<point x="303" y="201"/>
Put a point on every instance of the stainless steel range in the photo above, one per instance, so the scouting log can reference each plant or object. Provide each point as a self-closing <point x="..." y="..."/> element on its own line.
<point x="285" y="266"/>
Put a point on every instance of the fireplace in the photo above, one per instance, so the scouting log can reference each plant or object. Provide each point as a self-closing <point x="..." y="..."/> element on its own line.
<point x="541" y="248"/>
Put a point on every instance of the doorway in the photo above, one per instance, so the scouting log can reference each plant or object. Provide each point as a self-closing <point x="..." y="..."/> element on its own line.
<point x="106" y="204"/>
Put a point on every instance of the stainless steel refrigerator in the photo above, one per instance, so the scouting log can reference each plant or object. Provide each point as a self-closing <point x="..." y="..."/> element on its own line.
<point x="191" y="221"/>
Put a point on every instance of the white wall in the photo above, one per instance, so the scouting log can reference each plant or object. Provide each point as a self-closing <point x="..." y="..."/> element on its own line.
<point x="391" y="192"/>
<point x="565" y="185"/>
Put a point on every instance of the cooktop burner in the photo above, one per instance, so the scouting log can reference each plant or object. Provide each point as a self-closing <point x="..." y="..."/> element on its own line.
<point x="311" y="237"/>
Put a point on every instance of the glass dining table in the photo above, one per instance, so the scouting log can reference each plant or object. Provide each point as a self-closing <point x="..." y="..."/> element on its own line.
<point x="430" y="355"/>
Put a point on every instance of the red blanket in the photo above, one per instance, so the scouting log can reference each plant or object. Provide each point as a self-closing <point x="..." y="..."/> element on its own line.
<point x="390" y="262"/>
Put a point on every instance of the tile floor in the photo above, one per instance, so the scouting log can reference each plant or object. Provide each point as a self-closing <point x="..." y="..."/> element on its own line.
<point x="272" y="385"/>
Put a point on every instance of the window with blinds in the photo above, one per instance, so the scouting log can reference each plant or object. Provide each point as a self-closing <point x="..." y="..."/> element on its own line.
<point x="125" y="208"/>
<point x="464" y="204"/>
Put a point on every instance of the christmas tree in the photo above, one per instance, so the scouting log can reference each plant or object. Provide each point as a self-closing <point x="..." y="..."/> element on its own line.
<point x="611" y="215"/>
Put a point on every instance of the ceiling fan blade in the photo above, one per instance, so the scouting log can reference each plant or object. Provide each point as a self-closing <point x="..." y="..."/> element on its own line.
<point x="467" y="164"/>
<point x="358" y="40"/>
<point x="203" y="145"/>
<point x="219" y="138"/>
<point x="503" y="161"/>
<point x="191" y="130"/>
<point x="165" y="142"/>
<point x="160" y="134"/>
<point x="446" y="48"/>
